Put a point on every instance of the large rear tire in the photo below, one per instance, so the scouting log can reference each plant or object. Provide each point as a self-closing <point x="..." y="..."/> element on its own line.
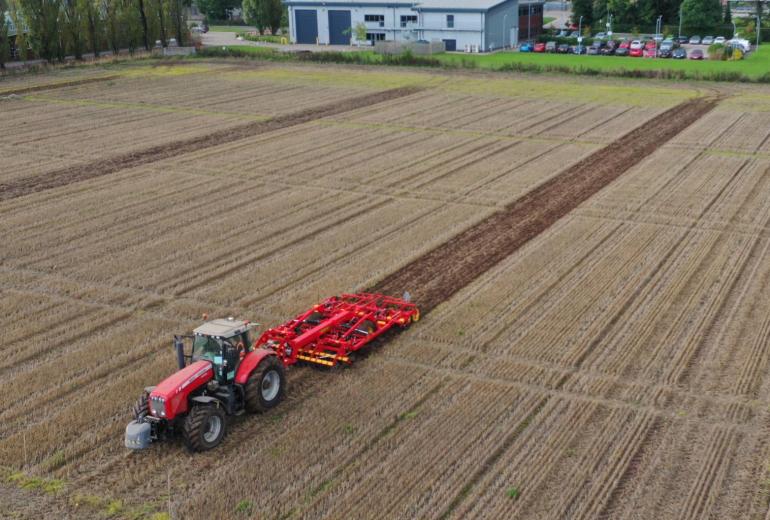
<point x="266" y="386"/>
<point x="204" y="428"/>
<point x="141" y="408"/>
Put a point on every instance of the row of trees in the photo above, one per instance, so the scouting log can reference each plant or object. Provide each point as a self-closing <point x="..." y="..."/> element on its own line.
<point x="54" y="29"/>
<point x="696" y="14"/>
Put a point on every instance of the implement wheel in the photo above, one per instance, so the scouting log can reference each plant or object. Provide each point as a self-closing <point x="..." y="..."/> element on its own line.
<point x="141" y="408"/>
<point x="266" y="386"/>
<point x="204" y="428"/>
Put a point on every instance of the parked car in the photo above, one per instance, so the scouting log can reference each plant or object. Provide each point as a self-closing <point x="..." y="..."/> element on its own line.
<point x="600" y="36"/>
<point x="550" y="47"/>
<point x="720" y="39"/>
<point x="696" y="54"/>
<point x="563" y="48"/>
<point x="650" y="44"/>
<point x="695" y="40"/>
<point x="636" y="45"/>
<point x="578" y="49"/>
<point x="595" y="48"/>
<point x="650" y="53"/>
<point x="563" y="33"/>
<point x="575" y="34"/>
<point x="679" y="53"/>
<point x="744" y="45"/>
<point x="665" y="53"/>
<point x="657" y="38"/>
<point x="636" y="53"/>
<point x="609" y="48"/>
<point x="707" y="40"/>
<point x="621" y="51"/>
<point x="539" y="47"/>
<point x="668" y="44"/>
<point x="682" y="39"/>
<point x="526" y="47"/>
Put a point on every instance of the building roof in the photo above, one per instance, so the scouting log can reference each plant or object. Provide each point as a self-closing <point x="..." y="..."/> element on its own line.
<point x="420" y="5"/>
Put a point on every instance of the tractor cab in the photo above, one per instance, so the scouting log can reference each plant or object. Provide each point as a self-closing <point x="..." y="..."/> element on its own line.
<point x="223" y="342"/>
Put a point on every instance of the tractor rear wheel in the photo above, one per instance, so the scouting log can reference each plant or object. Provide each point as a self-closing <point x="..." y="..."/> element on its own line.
<point x="266" y="386"/>
<point x="141" y="408"/>
<point x="204" y="428"/>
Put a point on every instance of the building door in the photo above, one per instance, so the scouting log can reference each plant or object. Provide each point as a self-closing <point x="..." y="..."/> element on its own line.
<point x="451" y="45"/>
<point x="306" y="22"/>
<point x="339" y="27"/>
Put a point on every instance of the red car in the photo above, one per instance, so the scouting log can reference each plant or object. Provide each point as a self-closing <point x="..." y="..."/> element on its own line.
<point x="636" y="53"/>
<point x="696" y="54"/>
<point x="650" y="44"/>
<point x="540" y="47"/>
<point x="650" y="53"/>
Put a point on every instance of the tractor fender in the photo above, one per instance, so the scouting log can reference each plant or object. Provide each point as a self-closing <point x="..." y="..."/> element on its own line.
<point x="250" y="362"/>
<point x="205" y="399"/>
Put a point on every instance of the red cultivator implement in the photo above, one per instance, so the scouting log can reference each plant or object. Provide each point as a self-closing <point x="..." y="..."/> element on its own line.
<point x="329" y="332"/>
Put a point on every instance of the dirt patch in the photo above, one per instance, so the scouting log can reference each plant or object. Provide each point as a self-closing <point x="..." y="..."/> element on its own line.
<point x="64" y="176"/>
<point x="440" y="273"/>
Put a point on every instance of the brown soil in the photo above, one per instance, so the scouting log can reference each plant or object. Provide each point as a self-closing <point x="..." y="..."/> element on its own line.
<point x="440" y="273"/>
<point x="64" y="176"/>
<point x="63" y="84"/>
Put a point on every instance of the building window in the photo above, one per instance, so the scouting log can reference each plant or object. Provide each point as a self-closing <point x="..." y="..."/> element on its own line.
<point x="450" y="21"/>
<point x="375" y="18"/>
<point x="407" y="19"/>
<point x="375" y="37"/>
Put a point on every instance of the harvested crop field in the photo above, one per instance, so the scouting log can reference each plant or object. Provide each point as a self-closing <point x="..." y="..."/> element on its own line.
<point x="591" y="259"/>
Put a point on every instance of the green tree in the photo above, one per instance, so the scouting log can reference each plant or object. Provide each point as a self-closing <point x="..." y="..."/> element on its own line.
<point x="5" y="46"/>
<point x="701" y="14"/>
<point x="217" y="9"/>
<point x="73" y="28"/>
<point x="263" y="14"/>
<point x="585" y="9"/>
<point x="43" y="18"/>
<point x="728" y="17"/>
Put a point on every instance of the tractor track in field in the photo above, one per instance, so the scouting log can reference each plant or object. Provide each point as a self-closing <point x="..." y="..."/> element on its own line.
<point x="440" y="273"/>
<point x="62" y="84"/>
<point x="99" y="168"/>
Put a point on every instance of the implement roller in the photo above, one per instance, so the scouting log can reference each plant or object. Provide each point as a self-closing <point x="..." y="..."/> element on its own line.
<point x="222" y="373"/>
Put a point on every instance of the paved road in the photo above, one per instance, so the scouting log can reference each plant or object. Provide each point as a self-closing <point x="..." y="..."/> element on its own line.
<point x="223" y="39"/>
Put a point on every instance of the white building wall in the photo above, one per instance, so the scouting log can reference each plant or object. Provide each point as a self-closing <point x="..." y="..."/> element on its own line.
<point x="467" y="30"/>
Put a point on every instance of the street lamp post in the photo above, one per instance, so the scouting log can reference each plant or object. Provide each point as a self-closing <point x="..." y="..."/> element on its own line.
<point x="759" y="31"/>
<point x="505" y="16"/>
<point x="529" y="21"/>
<point x="580" y="34"/>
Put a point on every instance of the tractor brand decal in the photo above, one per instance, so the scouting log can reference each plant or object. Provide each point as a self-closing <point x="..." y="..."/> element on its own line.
<point x="193" y="378"/>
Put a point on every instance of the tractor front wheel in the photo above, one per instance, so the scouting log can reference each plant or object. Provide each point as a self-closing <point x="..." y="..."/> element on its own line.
<point x="141" y="408"/>
<point x="266" y="386"/>
<point x="204" y="428"/>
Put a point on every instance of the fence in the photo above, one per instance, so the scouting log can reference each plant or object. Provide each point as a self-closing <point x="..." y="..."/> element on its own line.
<point x="419" y="49"/>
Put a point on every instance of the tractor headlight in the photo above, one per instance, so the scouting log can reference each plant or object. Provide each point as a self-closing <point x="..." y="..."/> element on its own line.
<point x="158" y="406"/>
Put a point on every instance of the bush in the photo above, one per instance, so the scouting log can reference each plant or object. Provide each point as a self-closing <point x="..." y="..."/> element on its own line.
<point x="717" y="52"/>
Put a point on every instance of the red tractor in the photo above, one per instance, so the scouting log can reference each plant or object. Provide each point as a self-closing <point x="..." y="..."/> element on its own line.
<point x="221" y="373"/>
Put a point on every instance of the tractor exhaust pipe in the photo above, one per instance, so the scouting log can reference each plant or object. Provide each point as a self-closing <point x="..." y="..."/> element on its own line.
<point x="179" y="345"/>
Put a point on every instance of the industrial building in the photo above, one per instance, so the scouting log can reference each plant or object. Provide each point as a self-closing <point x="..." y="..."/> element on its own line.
<point x="463" y="25"/>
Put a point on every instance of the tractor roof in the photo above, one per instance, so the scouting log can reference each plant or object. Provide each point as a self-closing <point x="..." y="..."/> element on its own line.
<point x="222" y="328"/>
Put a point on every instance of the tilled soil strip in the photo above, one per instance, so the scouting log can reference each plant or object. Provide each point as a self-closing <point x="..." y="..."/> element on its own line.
<point x="62" y="84"/>
<point x="68" y="175"/>
<point x="440" y="273"/>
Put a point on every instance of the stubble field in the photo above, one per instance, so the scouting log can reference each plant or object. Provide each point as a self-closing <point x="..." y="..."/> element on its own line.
<point x="591" y="259"/>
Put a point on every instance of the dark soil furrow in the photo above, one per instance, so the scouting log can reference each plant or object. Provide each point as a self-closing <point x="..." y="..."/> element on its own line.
<point x="76" y="173"/>
<point x="440" y="273"/>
